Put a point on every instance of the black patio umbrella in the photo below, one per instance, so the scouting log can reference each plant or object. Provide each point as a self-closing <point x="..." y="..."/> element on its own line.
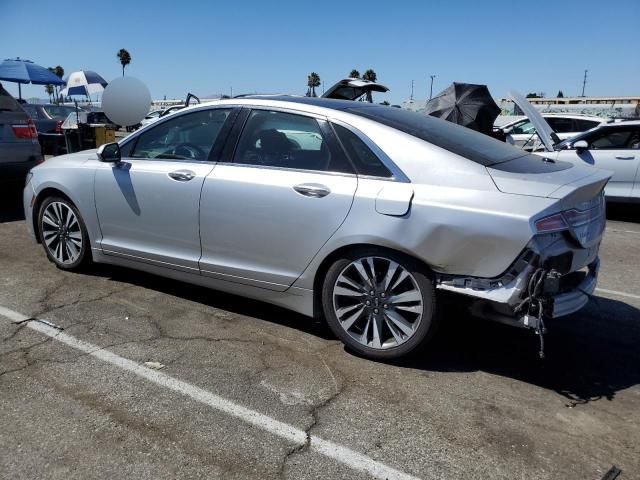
<point x="466" y="104"/>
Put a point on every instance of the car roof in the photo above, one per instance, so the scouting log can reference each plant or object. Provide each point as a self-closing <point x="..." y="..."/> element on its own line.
<point x="579" y="116"/>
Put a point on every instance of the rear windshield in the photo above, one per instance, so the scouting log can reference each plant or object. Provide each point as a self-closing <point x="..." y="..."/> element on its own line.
<point x="7" y="102"/>
<point x="59" y="111"/>
<point x="475" y="146"/>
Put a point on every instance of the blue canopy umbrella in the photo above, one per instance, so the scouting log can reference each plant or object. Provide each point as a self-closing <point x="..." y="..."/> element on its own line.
<point x="25" y="71"/>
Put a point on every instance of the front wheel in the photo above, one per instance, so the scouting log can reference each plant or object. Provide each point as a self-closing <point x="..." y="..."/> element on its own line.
<point x="63" y="234"/>
<point x="380" y="304"/>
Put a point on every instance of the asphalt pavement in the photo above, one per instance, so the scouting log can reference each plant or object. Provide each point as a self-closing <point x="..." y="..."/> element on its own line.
<point x="150" y="378"/>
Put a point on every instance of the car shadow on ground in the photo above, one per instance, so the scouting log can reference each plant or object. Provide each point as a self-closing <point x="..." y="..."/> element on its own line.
<point x="623" y="212"/>
<point x="11" y="209"/>
<point x="590" y="355"/>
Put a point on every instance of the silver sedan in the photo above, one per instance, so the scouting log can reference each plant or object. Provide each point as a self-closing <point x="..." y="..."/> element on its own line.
<point x="357" y="213"/>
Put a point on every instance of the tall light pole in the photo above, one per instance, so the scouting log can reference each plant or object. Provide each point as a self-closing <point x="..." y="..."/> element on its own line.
<point x="431" y="88"/>
<point x="411" y="98"/>
<point x="584" y="81"/>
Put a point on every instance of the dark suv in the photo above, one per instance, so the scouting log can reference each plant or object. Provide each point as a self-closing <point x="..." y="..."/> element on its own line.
<point x="19" y="147"/>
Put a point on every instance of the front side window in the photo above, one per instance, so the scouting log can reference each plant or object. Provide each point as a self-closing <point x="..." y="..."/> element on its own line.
<point x="285" y="140"/>
<point x="619" y="138"/>
<point x="187" y="137"/>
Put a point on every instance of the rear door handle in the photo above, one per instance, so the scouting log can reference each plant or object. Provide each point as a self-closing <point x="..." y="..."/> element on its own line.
<point x="622" y="157"/>
<point x="313" y="190"/>
<point x="182" y="175"/>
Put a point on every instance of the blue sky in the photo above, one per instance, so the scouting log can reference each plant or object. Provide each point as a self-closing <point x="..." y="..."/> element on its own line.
<point x="210" y="47"/>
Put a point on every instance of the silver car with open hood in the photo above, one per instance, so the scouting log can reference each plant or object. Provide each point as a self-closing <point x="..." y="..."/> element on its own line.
<point x="354" y="212"/>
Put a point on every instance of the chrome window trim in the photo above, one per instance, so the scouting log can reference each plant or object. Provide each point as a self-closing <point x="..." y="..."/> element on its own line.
<point x="397" y="174"/>
<point x="287" y="169"/>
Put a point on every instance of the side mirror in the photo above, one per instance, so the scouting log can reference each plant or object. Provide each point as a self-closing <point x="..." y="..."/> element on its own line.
<point x="109" y="152"/>
<point x="580" y="146"/>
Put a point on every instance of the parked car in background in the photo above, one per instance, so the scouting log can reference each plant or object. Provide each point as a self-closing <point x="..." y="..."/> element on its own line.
<point x="613" y="147"/>
<point x="350" y="211"/>
<point x="19" y="147"/>
<point x="521" y="133"/>
<point x="48" y="119"/>
<point x="151" y="117"/>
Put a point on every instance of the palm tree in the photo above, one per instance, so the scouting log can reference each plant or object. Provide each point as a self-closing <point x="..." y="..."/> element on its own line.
<point x="52" y="70"/>
<point x="372" y="77"/>
<point x="313" y="81"/>
<point x="354" y="74"/>
<point x="59" y="72"/>
<point x="125" y="58"/>
<point x="49" y="90"/>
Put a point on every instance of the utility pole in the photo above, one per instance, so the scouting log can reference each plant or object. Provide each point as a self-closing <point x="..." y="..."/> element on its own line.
<point x="431" y="88"/>
<point x="584" y="81"/>
<point x="231" y="96"/>
<point x="411" y="98"/>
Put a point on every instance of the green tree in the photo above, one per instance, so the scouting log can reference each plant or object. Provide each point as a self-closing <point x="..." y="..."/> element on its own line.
<point x="560" y="94"/>
<point x="52" y="70"/>
<point x="354" y="74"/>
<point x="313" y="81"/>
<point x="49" y="90"/>
<point x="371" y="76"/>
<point x="532" y="95"/>
<point x="59" y="72"/>
<point x="125" y="58"/>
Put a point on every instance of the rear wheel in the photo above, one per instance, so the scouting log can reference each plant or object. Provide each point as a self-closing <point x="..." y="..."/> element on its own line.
<point x="63" y="234"/>
<point x="380" y="304"/>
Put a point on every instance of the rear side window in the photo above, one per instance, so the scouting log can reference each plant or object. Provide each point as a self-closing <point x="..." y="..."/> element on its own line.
<point x="365" y="161"/>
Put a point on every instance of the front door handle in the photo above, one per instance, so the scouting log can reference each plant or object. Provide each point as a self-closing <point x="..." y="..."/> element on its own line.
<point x="182" y="175"/>
<point x="623" y="157"/>
<point x="313" y="190"/>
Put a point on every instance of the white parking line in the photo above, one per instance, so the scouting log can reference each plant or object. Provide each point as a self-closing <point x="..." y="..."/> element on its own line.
<point x="344" y="455"/>
<point x="614" y="230"/>
<point x="619" y="294"/>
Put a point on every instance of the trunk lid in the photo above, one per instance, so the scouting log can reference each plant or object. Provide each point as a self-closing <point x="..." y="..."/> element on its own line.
<point x="544" y="130"/>
<point x="538" y="176"/>
<point x="353" y="88"/>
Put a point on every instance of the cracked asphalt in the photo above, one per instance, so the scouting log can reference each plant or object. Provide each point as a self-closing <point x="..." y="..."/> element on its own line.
<point x="477" y="404"/>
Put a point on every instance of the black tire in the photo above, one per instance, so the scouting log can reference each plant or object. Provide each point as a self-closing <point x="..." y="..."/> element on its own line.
<point x="428" y="322"/>
<point x="84" y="256"/>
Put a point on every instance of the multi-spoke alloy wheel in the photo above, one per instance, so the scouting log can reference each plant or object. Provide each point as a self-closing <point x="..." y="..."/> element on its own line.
<point x="379" y="304"/>
<point x="61" y="232"/>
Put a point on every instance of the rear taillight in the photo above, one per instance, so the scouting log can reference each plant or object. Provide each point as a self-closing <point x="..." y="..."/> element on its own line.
<point x="26" y="132"/>
<point x="59" y="126"/>
<point x="552" y="223"/>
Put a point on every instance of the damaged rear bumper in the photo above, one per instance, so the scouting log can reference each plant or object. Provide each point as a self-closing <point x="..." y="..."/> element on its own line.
<point x="573" y="300"/>
<point x="499" y="299"/>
